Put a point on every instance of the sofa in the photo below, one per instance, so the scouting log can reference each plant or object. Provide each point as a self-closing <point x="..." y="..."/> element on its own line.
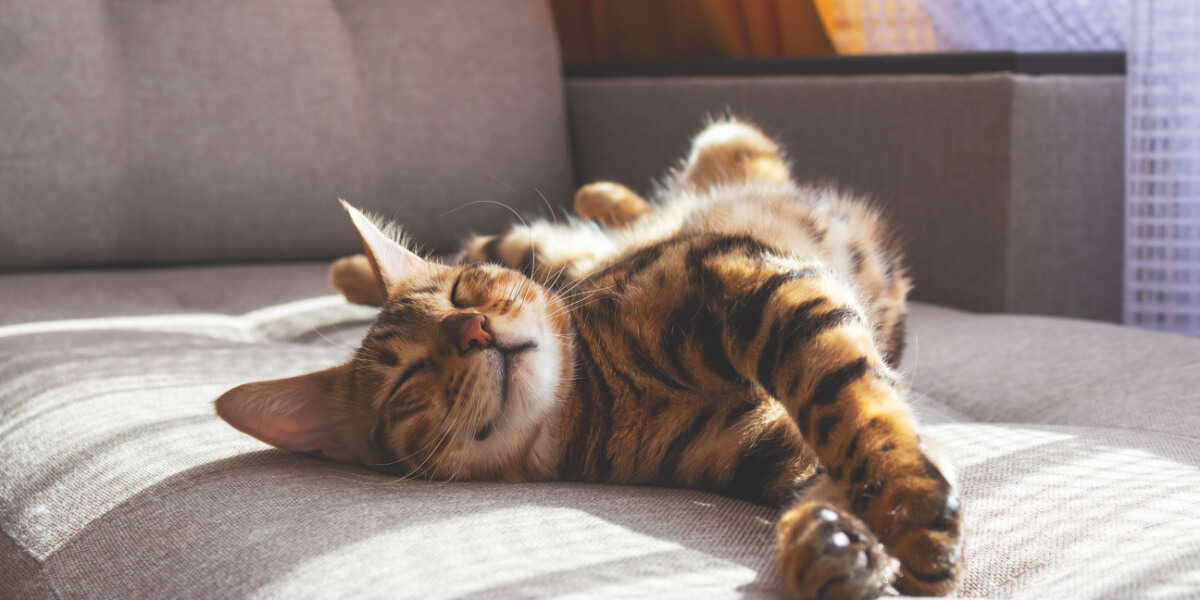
<point x="168" y="182"/>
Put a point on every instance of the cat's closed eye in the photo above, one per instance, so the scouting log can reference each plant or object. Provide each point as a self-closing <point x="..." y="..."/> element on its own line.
<point x="406" y="375"/>
<point x="456" y="299"/>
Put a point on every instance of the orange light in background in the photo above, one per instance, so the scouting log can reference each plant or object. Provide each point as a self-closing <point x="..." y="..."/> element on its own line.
<point x="877" y="26"/>
<point x="666" y="29"/>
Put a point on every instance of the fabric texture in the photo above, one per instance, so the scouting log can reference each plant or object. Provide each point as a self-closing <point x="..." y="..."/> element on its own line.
<point x="145" y="132"/>
<point x="991" y="166"/>
<point x="61" y="295"/>
<point x="1075" y="444"/>
<point x="1065" y="211"/>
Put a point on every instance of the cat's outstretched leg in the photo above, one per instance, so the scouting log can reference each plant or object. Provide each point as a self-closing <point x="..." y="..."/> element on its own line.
<point x="733" y="151"/>
<point x="738" y="312"/>
<point x="799" y="332"/>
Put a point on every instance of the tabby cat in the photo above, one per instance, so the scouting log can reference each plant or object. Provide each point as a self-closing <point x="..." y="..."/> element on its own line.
<point x="738" y="335"/>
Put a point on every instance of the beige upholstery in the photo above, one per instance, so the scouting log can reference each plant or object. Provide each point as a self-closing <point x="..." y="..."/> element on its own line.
<point x="1007" y="189"/>
<point x="136" y="132"/>
<point x="142" y="132"/>
<point x="1075" y="443"/>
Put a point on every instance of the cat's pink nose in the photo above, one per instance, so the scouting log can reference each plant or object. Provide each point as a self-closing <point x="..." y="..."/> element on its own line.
<point x="473" y="333"/>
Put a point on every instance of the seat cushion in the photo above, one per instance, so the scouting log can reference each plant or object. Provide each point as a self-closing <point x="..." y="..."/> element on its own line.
<point x="1076" y="443"/>
<point x="59" y="295"/>
<point x="148" y="132"/>
<point x="1080" y="472"/>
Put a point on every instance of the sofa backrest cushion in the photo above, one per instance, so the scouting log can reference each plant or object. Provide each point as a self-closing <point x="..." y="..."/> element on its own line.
<point x="141" y="131"/>
<point x="1006" y="190"/>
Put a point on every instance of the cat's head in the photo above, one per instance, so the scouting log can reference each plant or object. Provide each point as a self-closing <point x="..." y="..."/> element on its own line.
<point x="459" y="377"/>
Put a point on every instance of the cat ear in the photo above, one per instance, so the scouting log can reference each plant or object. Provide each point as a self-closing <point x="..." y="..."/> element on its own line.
<point x="292" y="414"/>
<point x="390" y="261"/>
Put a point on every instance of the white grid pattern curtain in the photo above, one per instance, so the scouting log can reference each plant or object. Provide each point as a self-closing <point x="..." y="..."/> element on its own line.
<point x="1162" y="228"/>
<point x="1030" y="25"/>
<point x="1162" y="40"/>
<point x="980" y="25"/>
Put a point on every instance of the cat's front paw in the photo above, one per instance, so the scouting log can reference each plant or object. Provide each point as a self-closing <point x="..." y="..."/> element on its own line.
<point x="919" y="519"/>
<point x="827" y="554"/>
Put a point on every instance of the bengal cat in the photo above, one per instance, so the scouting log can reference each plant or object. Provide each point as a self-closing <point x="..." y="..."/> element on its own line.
<point x="738" y="335"/>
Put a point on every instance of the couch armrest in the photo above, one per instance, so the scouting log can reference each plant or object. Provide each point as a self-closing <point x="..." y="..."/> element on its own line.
<point x="1007" y="188"/>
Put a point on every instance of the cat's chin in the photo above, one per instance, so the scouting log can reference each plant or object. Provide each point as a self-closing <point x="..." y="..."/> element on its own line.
<point x="526" y="377"/>
<point x="510" y="366"/>
<point x="516" y="366"/>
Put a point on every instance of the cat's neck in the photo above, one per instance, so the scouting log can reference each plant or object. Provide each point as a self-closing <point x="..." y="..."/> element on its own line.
<point x="573" y="447"/>
<point x="584" y="420"/>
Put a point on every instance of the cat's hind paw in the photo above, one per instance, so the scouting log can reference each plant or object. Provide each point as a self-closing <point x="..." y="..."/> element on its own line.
<point x="729" y="150"/>
<point x="610" y="203"/>
<point x="827" y="554"/>
<point x="353" y="277"/>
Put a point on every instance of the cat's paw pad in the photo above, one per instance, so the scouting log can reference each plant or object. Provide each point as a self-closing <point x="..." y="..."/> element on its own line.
<point x="924" y="532"/>
<point x="827" y="554"/>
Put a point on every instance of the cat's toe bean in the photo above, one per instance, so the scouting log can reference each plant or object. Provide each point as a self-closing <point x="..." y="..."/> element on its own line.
<point x="826" y="554"/>
<point x="931" y="561"/>
<point x="925" y="535"/>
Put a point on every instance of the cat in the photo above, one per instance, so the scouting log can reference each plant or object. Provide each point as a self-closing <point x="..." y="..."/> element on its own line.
<point x="737" y="335"/>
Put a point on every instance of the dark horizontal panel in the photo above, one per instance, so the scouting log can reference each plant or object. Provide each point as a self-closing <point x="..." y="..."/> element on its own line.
<point x="963" y="63"/>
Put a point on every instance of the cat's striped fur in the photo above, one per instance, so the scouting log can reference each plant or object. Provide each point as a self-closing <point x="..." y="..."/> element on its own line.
<point x="737" y="336"/>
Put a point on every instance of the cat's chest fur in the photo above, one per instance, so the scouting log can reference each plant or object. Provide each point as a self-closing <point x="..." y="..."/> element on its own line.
<point x="652" y="374"/>
<point x="651" y="327"/>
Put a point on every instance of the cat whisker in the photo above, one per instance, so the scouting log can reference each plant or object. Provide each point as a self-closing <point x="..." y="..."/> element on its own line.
<point x="334" y="342"/>
<point x="553" y="215"/>
<point x="574" y="290"/>
<point x="568" y="293"/>
<point x="419" y="471"/>
<point x="510" y="209"/>
<point x="585" y="293"/>
<point x="576" y="303"/>
<point x="503" y="183"/>
<point x="574" y="285"/>
<point x="463" y="456"/>
<point x="532" y="247"/>
<point x="912" y="378"/>
<point x="553" y="281"/>
<point x="416" y="452"/>
<point x="462" y="460"/>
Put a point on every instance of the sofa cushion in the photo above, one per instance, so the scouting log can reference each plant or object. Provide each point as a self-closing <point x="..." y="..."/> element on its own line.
<point x="140" y="132"/>
<point x="1080" y="476"/>
<point x="987" y="164"/>
<point x="59" y="295"/>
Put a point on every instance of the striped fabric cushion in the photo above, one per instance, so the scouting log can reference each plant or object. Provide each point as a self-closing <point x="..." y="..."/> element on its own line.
<point x="1075" y="443"/>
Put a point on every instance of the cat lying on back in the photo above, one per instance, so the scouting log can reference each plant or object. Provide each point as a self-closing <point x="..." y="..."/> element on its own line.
<point x="738" y="335"/>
